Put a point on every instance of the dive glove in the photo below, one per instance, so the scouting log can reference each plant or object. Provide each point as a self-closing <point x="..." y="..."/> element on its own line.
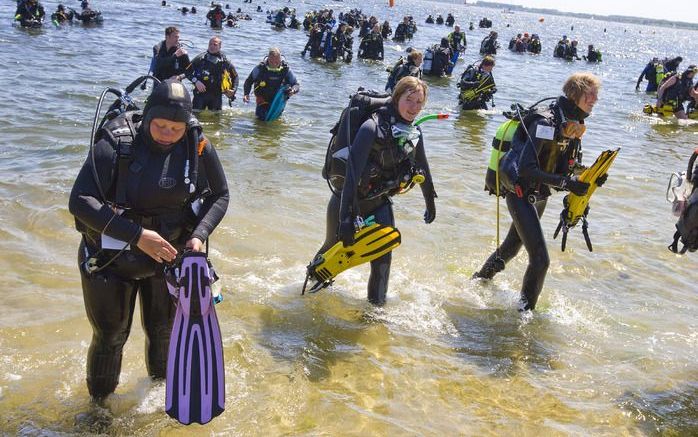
<point x="601" y="180"/>
<point x="575" y="186"/>
<point x="430" y="212"/>
<point x="346" y="232"/>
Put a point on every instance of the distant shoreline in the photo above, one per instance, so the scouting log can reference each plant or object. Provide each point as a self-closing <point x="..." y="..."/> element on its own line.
<point x="611" y="18"/>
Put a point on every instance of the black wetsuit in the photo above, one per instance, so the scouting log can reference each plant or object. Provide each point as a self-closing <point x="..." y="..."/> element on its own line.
<point x="314" y="44"/>
<point x="372" y="146"/>
<point x="441" y="61"/>
<point x="406" y="69"/>
<point x="166" y="63"/>
<point x="371" y="47"/>
<point x="29" y="15"/>
<point x="489" y="45"/>
<point x="557" y="157"/>
<point x="208" y="68"/>
<point x="480" y="81"/>
<point x="386" y="31"/>
<point x="457" y="41"/>
<point x="158" y="199"/>
<point x="215" y="17"/>
<point x="401" y="33"/>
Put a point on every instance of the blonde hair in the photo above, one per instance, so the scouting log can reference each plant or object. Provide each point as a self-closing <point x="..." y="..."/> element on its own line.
<point x="415" y="54"/>
<point x="274" y="51"/>
<point x="579" y="84"/>
<point x="409" y="84"/>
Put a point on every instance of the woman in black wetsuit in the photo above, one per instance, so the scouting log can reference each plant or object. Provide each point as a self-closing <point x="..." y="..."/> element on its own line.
<point x="386" y="149"/>
<point x="547" y="147"/>
<point x="151" y="187"/>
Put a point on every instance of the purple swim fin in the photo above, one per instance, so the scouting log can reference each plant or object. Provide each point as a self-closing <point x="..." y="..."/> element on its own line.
<point x="195" y="388"/>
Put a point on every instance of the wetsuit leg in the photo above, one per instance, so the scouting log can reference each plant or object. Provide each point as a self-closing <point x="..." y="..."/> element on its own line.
<point x="380" y="268"/>
<point x="507" y="250"/>
<point x="261" y="111"/>
<point x="199" y="102"/>
<point x="527" y="223"/>
<point x="332" y="221"/>
<point x="157" y="315"/>
<point x="109" y="303"/>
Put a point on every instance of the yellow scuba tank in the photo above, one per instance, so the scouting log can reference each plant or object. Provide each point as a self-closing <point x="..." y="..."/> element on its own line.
<point x="576" y="207"/>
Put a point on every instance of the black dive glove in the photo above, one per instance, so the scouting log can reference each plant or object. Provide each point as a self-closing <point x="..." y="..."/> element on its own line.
<point x="601" y="180"/>
<point x="430" y="212"/>
<point x="346" y="232"/>
<point x="575" y="186"/>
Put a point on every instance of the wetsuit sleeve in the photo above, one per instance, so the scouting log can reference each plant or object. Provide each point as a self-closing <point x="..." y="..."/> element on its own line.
<point x="358" y="157"/>
<point x="85" y="200"/>
<point x="234" y="75"/>
<point x="184" y="63"/>
<point x="528" y="164"/>
<point x="250" y="80"/>
<point x="291" y="81"/>
<point x="427" y="186"/>
<point x="216" y="203"/>
<point x="190" y="71"/>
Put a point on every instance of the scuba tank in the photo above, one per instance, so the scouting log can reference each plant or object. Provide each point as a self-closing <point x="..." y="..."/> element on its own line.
<point x="684" y="197"/>
<point x="428" y="59"/>
<point x="678" y="191"/>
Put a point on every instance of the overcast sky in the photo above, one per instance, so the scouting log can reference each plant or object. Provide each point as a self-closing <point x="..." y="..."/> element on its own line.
<point x="679" y="10"/>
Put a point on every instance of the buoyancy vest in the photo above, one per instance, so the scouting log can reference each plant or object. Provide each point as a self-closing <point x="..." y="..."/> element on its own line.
<point x="390" y="163"/>
<point x="122" y="133"/>
<point x="269" y="81"/>
<point x="556" y="155"/>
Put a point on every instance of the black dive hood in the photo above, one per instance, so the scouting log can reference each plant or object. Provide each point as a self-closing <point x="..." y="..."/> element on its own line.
<point x="570" y="109"/>
<point x="169" y="100"/>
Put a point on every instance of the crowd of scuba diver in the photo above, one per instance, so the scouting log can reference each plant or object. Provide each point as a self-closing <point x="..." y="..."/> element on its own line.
<point x="153" y="187"/>
<point x="31" y="14"/>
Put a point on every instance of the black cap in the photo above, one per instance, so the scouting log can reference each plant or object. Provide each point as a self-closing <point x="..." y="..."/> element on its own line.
<point x="169" y="100"/>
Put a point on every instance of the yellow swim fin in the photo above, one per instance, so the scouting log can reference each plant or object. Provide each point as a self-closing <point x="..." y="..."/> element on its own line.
<point x="576" y="207"/>
<point x="371" y="242"/>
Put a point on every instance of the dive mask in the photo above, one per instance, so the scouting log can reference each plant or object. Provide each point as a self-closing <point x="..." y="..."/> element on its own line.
<point x="405" y="133"/>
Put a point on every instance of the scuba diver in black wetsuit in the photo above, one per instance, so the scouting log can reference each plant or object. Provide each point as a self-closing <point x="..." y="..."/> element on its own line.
<point x="441" y="59"/>
<point x="266" y="78"/>
<point x="477" y="85"/>
<point x="430" y="20"/>
<point x="215" y="17"/>
<point x="457" y="40"/>
<point x="29" y="13"/>
<point x="545" y="153"/>
<point x="593" y="55"/>
<point x="170" y="60"/>
<point x="206" y="72"/>
<point x="61" y="15"/>
<point x="385" y="150"/>
<point x="489" y="45"/>
<point x="402" y="31"/>
<point x="152" y="185"/>
<point x="404" y="69"/>
<point x="676" y="89"/>
<point x="371" y="46"/>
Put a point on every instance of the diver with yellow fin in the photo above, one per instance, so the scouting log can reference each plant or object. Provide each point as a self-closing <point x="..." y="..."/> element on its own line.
<point x="537" y="150"/>
<point x="576" y="207"/>
<point x="376" y="152"/>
